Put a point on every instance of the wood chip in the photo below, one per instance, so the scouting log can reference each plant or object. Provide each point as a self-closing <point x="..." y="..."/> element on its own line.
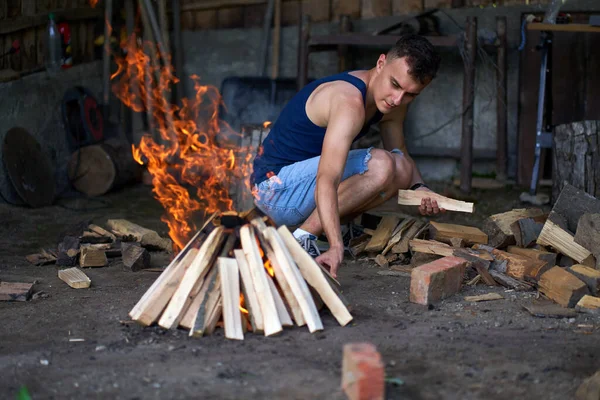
<point x="484" y="297"/>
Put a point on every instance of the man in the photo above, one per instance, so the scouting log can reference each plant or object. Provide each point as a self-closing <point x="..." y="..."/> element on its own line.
<point x="307" y="176"/>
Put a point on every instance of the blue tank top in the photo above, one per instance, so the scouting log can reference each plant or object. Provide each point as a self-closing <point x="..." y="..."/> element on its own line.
<point x="294" y="137"/>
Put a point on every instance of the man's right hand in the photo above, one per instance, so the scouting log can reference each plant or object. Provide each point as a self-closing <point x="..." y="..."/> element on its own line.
<point x="332" y="259"/>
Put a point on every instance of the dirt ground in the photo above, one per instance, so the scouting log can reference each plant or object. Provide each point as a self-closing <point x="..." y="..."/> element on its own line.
<point x="456" y="350"/>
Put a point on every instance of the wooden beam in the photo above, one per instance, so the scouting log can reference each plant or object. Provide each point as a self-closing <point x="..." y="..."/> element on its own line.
<point x="230" y="292"/>
<point x="539" y="26"/>
<point x="212" y="4"/>
<point x="414" y="198"/>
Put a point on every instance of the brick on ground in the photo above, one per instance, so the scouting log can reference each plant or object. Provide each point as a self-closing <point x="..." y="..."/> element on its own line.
<point x="437" y="280"/>
<point x="362" y="372"/>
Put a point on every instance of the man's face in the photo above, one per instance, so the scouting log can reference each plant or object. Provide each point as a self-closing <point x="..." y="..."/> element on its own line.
<point x="394" y="85"/>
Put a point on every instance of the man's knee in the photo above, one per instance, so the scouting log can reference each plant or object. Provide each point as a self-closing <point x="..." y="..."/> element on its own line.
<point x="381" y="168"/>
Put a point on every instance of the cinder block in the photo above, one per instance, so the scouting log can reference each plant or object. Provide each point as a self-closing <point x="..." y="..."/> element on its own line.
<point x="437" y="280"/>
<point x="362" y="372"/>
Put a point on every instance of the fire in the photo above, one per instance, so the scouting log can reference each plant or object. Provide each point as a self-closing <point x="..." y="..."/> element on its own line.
<point x="192" y="155"/>
<point x="93" y="3"/>
<point x="242" y="305"/>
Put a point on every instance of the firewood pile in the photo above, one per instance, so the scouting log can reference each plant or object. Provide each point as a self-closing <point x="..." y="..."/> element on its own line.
<point x="246" y="273"/>
<point x="92" y="246"/>
<point x="556" y="253"/>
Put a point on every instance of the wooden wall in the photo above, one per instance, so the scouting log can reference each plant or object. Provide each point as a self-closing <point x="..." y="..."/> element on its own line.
<point x="224" y="14"/>
<point x="26" y="21"/>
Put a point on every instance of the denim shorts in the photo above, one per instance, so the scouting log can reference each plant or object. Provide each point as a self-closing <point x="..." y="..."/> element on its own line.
<point x="289" y="197"/>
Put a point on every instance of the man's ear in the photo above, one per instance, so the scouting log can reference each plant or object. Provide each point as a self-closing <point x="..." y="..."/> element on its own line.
<point x="381" y="62"/>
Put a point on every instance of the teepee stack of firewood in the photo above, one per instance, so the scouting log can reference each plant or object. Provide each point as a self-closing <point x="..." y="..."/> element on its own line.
<point x="243" y="274"/>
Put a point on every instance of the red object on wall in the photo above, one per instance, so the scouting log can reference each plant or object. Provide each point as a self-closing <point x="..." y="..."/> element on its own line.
<point x="67" y="50"/>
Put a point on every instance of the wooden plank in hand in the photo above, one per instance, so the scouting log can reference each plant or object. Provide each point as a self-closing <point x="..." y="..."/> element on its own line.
<point x="313" y="274"/>
<point x="230" y="293"/>
<point x="414" y="198"/>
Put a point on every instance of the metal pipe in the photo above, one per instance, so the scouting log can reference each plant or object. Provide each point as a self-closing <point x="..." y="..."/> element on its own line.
<point x="466" y="161"/>
<point x="501" y="99"/>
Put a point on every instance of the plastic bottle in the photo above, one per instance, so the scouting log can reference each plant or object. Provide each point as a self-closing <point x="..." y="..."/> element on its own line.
<point x="53" y="47"/>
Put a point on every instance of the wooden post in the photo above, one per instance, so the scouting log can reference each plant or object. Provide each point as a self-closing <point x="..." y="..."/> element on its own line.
<point x="276" y="41"/>
<point x="106" y="59"/>
<point x="345" y="27"/>
<point x="501" y="99"/>
<point x="466" y="161"/>
<point x="303" y="52"/>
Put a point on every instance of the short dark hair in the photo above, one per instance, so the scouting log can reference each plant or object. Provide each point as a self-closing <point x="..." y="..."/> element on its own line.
<point x="422" y="58"/>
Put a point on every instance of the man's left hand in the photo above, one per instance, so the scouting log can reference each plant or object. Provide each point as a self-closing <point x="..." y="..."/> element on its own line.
<point x="428" y="205"/>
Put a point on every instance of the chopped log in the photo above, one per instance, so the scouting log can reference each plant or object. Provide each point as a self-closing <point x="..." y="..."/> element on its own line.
<point x="230" y="292"/>
<point x="146" y="237"/>
<point x="572" y="203"/>
<point x="526" y="231"/>
<point x="94" y="238"/>
<point x="68" y="252"/>
<point x="498" y="226"/>
<point x="430" y="247"/>
<point x="282" y="310"/>
<point x="75" y="278"/>
<point x="250" y="298"/>
<point x="383" y="233"/>
<point x="589" y="388"/>
<point x="287" y="267"/>
<point x="457" y="242"/>
<point x="444" y="232"/>
<point x="382" y="261"/>
<point x="484" y="297"/>
<point x="562" y="287"/>
<point x="509" y="282"/>
<point x="15" y="291"/>
<point x="517" y="266"/>
<point x="588" y="234"/>
<point x="403" y="246"/>
<point x="553" y="235"/>
<point x="398" y="233"/>
<point x="547" y="259"/>
<point x="194" y="273"/>
<point x="101" y="231"/>
<point x="199" y="302"/>
<point x="358" y="244"/>
<point x="549" y="310"/>
<point x="259" y="279"/>
<point x="414" y="198"/>
<point x="135" y="257"/>
<point x="149" y="307"/>
<point x="590" y="276"/>
<point x="315" y="277"/>
<point x="92" y="257"/>
<point x="481" y="265"/>
<point x="44" y="257"/>
<point x="588" y="302"/>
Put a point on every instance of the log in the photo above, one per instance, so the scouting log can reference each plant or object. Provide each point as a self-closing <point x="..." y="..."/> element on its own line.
<point x="548" y="259"/>
<point x="588" y="302"/>
<point x="572" y="203"/>
<point x="92" y="257"/>
<point x="526" y="231"/>
<point x="146" y="237"/>
<point x="93" y="238"/>
<point x="100" y="168"/>
<point x="15" y="291"/>
<point x="498" y="226"/>
<point x="403" y="246"/>
<point x="588" y="234"/>
<point x="431" y="247"/>
<point x="517" y="266"/>
<point x="414" y="198"/>
<point x="444" y="232"/>
<point x="44" y="257"/>
<point x="383" y="233"/>
<point x="509" y="282"/>
<point x="576" y="157"/>
<point x="481" y="265"/>
<point x="68" y="252"/>
<point x="135" y="257"/>
<point x="101" y="231"/>
<point x="398" y="234"/>
<point x="590" y="276"/>
<point x="553" y="235"/>
<point x="230" y="292"/>
<point x="562" y="287"/>
<point x="75" y="278"/>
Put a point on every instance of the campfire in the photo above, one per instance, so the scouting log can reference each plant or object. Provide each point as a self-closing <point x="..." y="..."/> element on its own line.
<point x="245" y="272"/>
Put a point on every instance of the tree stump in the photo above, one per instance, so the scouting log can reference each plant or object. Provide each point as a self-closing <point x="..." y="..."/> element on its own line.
<point x="577" y="157"/>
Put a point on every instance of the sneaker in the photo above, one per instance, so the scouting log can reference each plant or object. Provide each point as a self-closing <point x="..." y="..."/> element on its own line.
<point x="349" y="232"/>
<point x="309" y="243"/>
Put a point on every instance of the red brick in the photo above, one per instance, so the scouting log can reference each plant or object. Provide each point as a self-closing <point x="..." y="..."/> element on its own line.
<point x="437" y="280"/>
<point x="362" y="372"/>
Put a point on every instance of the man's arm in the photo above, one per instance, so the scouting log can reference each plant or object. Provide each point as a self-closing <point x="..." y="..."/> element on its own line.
<point x="345" y="119"/>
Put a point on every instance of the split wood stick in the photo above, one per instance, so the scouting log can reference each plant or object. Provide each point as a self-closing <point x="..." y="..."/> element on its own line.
<point x="444" y="232"/>
<point x="189" y="317"/>
<point x="147" y="237"/>
<point x="91" y="257"/>
<point x="165" y="323"/>
<point x="382" y="234"/>
<point x="553" y="235"/>
<point x="297" y="284"/>
<point x="230" y="293"/>
<point x="214" y="316"/>
<point x="414" y="198"/>
<point x="250" y="298"/>
<point x="101" y="231"/>
<point x="151" y="304"/>
<point x="431" y="247"/>
<point x="400" y="229"/>
<point x="403" y="245"/>
<point x="282" y="310"/>
<point x="74" y="277"/>
<point x="259" y="279"/>
<point x="203" y="318"/>
<point x="197" y="270"/>
<point x="313" y="274"/>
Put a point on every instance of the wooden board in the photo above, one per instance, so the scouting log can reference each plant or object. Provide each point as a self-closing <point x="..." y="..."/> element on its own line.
<point x="227" y="18"/>
<point x="315" y="277"/>
<point x="74" y="277"/>
<point x="282" y="310"/>
<point x="318" y="10"/>
<point x="250" y="298"/>
<point x="291" y="301"/>
<point x="200" y="299"/>
<point x="414" y="198"/>
<point x="230" y="292"/>
<point x="15" y="291"/>
<point x="444" y="232"/>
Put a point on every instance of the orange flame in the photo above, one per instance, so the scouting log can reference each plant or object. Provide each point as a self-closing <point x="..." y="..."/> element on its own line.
<point x="193" y="156"/>
<point x="269" y="268"/>
<point x="242" y="305"/>
<point x="93" y="3"/>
